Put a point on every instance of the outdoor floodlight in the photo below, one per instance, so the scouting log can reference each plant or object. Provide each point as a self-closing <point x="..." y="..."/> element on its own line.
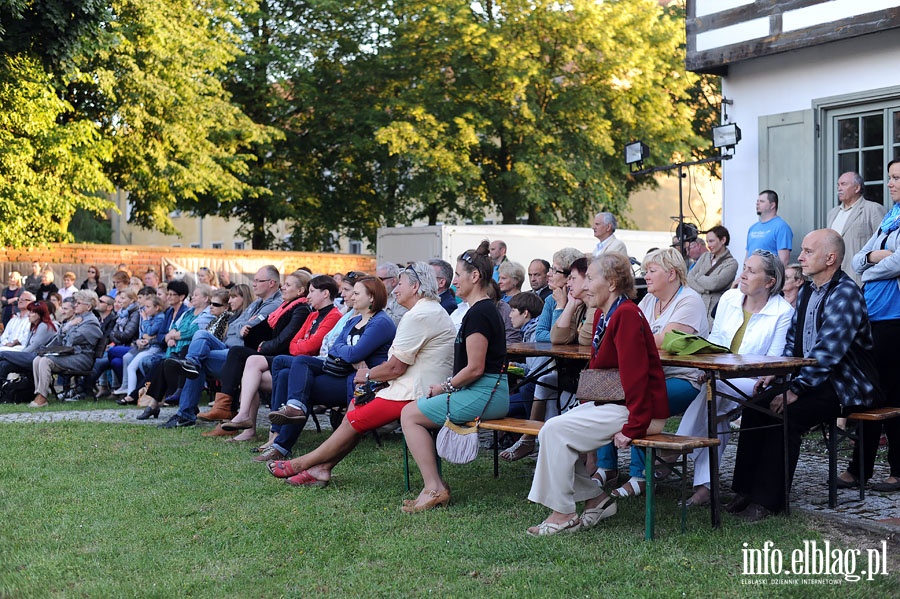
<point x="726" y="136"/>
<point x="635" y="153"/>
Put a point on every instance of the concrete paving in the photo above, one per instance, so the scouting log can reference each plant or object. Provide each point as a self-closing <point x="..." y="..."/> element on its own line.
<point x="879" y="511"/>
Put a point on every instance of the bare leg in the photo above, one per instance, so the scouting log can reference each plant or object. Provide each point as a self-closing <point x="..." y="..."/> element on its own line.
<point x="256" y="369"/>
<point x="253" y="411"/>
<point x="320" y="461"/>
<point x="416" y="429"/>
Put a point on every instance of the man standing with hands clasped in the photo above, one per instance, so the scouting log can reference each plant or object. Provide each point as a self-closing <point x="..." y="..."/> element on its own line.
<point x="831" y="325"/>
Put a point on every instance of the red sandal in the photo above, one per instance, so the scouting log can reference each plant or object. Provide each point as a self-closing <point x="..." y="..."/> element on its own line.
<point x="281" y="468"/>
<point x="305" y="479"/>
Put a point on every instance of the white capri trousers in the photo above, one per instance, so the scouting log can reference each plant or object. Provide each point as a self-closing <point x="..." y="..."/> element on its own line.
<point x="561" y="479"/>
<point x="693" y="424"/>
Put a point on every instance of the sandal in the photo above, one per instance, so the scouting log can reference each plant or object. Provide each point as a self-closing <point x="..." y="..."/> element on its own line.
<point x="591" y="517"/>
<point x="305" y="479"/>
<point x="520" y="449"/>
<point x="603" y="476"/>
<point x="545" y="529"/>
<point x="632" y="488"/>
<point x="281" y="468"/>
<point x="662" y="471"/>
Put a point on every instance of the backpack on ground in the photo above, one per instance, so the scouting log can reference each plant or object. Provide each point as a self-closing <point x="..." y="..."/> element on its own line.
<point x="17" y="390"/>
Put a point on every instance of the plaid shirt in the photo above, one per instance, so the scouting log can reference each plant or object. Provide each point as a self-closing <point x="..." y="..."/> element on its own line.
<point x="843" y="345"/>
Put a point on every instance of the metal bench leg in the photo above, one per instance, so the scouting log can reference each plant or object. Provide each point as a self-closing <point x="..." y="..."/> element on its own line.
<point x="496" y="454"/>
<point x="832" y="464"/>
<point x="405" y="463"/>
<point x="683" y="485"/>
<point x="862" y="473"/>
<point x="650" y="516"/>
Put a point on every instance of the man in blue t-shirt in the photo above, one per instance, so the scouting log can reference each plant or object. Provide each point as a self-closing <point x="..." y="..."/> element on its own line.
<point x="771" y="233"/>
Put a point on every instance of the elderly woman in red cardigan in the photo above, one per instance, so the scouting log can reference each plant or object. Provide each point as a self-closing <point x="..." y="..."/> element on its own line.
<point x="622" y="340"/>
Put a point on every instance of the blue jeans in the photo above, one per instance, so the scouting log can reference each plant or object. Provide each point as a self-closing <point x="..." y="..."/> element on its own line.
<point x="213" y="354"/>
<point x="305" y="378"/>
<point x="520" y="402"/>
<point x="681" y="393"/>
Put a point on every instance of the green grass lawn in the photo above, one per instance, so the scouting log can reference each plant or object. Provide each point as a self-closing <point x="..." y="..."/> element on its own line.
<point x="92" y="510"/>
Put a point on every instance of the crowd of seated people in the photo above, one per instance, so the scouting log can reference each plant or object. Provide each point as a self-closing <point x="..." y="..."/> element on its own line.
<point x="405" y="344"/>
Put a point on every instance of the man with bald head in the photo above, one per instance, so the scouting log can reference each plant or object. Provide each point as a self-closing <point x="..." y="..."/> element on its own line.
<point x="831" y="324"/>
<point x="855" y="218"/>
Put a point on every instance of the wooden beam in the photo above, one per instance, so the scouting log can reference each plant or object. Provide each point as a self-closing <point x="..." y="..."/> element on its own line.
<point x="715" y="59"/>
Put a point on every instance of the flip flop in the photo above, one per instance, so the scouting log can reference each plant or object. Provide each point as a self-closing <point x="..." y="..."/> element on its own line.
<point x="281" y="468"/>
<point x="238" y="425"/>
<point x="305" y="479"/>
<point x="545" y="529"/>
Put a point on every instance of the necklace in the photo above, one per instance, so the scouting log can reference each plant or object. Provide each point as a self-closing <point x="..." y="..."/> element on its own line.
<point x="662" y="308"/>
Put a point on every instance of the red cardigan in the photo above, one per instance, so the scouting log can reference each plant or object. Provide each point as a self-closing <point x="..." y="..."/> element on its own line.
<point x="629" y="346"/>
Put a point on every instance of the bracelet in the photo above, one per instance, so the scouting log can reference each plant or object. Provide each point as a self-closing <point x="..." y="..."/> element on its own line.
<point x="448" y="387"/>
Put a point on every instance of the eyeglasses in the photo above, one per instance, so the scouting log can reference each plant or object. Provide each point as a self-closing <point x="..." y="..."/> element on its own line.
<point x="215" y="305"/>
<point x="383" y="279"/>
<point x="262" y="280"/>
<point x="560" y="272"/>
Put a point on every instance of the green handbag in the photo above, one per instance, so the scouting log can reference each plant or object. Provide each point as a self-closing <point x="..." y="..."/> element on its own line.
<point x="686" y="344"/>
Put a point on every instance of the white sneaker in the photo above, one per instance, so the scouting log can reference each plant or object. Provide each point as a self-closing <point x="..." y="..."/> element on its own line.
<point x="120" y="391"/>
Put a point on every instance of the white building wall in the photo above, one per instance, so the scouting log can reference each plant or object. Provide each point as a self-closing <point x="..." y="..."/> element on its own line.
<point x="788" y="82"/>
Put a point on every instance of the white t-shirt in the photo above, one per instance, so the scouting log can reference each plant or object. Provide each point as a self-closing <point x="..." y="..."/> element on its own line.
<point x="687" y="308"/>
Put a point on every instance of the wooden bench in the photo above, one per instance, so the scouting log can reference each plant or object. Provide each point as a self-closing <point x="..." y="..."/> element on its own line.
<point x="835" y="435"/>
<point x="508" y="425"/>
<point x="672" y="443"/>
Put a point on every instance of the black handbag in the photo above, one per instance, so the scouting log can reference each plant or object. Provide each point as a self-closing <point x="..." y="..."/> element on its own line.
<point x="337" y="367"/>
<point x="56" y="350"/>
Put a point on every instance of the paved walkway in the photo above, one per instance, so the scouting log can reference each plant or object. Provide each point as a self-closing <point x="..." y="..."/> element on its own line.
<point x="879" y="511"/>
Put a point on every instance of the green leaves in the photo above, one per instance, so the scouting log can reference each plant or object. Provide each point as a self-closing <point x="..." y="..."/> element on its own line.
<point x="51" y="163"/>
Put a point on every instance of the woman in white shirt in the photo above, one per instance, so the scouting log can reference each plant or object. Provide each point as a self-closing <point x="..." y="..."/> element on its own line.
<point x="752" y="319"/>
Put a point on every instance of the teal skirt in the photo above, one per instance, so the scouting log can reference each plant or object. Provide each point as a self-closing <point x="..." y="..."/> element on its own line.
<point x="469" y="403"/>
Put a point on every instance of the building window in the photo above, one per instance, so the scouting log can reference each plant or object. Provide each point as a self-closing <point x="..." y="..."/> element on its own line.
<point x="355" y="247"/>
<point x="864" y="138"/>
<point x="216" y="245"/>
<point x="238" y="245"/>
<point x="176" y="245"/>
<point x="195" y="246"/>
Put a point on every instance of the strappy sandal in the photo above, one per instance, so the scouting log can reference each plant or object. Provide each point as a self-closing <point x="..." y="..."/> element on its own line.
<point x="545" y="529"/>
<point x="281" y="468"/>
<point x="305" y="479"/>
<point x="520" y="449"/>
<point x="632" y="488"/>
<point x="591" y="517"/>
<point x="603" y="476"/>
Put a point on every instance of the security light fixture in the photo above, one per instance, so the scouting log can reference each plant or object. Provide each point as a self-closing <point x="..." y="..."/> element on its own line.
<point x="726" y="136"/>
<point x="635" y="153"/>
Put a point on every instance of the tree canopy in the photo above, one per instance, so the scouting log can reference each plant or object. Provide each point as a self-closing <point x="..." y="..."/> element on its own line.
<point x="337" y="116"/>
